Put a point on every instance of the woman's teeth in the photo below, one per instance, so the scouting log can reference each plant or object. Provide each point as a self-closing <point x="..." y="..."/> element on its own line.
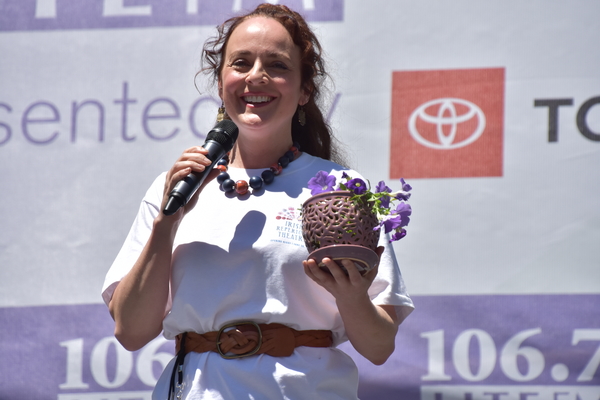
<point x="257" y="99"/>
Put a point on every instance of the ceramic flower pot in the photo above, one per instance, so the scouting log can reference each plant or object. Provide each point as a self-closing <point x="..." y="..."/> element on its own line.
<point x="337" y="227"/>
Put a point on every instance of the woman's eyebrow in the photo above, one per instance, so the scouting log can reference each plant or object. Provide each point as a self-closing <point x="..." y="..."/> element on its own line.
<point x="270" y="54"/>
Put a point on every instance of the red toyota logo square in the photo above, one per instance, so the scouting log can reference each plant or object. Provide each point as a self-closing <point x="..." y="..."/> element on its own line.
<point x="447" y="123"/>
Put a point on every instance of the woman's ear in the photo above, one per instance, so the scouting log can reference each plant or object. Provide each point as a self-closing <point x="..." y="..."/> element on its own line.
<point x="305" y="96"/>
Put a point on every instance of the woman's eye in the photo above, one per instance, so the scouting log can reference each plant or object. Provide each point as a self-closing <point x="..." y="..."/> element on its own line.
<point x="239" y="63"/>
<point x="280" y="65"/>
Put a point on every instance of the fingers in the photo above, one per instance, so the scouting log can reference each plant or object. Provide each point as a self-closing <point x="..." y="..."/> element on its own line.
<point x="343" y="282"/>
<point x="349" y="272"/>
<point x="314" y="272"/>
<point x="191" y="160"/>
<point x="334" y="268"/>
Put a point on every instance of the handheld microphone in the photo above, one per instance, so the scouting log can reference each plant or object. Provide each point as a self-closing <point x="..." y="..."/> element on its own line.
<point x="219" y="142"/>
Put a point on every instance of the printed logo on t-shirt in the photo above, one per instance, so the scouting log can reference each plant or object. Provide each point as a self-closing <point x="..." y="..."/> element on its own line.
<point x="289" y="227"/>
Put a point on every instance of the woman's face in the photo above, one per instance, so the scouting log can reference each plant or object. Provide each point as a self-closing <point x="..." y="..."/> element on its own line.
<point x="260" y="82"/>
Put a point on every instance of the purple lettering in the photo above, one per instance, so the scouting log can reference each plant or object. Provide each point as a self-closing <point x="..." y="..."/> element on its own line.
<point x="125" y="101"/>
<point x="5" y="126"/>
<point x="75" y="111"/>
<point x="192" y="117"/>
<point x="26" y="120"/>
<point x="147" y="116"/>
<point x="155" y="118"/>
<point x="20" y="15"/>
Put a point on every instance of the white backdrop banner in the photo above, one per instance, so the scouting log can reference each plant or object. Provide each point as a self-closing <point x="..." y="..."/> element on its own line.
<point x="490" y="110"/>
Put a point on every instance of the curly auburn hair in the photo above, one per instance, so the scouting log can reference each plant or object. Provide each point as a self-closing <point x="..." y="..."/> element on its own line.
<point x="315" y="137"/>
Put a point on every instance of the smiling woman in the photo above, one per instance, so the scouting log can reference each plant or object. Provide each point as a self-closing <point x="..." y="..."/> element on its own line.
<point x="260" y="84"/>
<point x="239" y="283"/>
<point x="309" y="128"/>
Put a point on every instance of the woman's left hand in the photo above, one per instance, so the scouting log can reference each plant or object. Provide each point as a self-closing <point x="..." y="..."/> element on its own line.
<point x="342" y="285"/>
<point x="371" y="329"/>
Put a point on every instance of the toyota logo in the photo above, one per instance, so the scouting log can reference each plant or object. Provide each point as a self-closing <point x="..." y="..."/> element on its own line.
<point x="447" y="122"/>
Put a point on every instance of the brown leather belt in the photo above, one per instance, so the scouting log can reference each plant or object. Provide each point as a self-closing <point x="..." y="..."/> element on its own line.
<point x="245" y="338"/>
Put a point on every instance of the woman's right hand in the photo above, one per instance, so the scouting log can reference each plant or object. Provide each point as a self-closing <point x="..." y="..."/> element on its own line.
<point x="192" y="160"/>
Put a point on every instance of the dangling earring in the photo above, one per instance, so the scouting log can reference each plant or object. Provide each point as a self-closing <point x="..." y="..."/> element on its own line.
<point x="222" y="113"/>
<point x="301" y="116"/>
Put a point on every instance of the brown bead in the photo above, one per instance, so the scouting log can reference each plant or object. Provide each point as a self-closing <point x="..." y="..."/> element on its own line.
<point x="241" y="187"/>
<point x="276" y="168"/>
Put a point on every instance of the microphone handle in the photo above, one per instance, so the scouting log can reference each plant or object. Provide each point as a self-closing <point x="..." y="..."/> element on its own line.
<point x="185" y="188"/>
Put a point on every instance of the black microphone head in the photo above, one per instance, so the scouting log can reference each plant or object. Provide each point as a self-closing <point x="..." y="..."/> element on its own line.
<point x="225" y="133"/>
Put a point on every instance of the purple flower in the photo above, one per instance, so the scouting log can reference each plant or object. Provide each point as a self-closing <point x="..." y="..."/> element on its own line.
<point x="322" y="182"/>
<point x="385" y="201"/>
<point x="405" y="186"/>
<point x="398" y="235"/>
<point x="389" y="223"/>
<point x="404" y="211"/>
<point x="381" y="187"/>
<point x="402" y="196"/>
<point x="357" y="185"/>
<point x="345" y="175"/>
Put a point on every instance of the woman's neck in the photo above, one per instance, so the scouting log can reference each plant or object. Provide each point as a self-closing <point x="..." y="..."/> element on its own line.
<point x="250" y="153"/>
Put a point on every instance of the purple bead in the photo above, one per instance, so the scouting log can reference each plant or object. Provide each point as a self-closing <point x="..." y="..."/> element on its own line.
<point x="222" y="177"/>
<point x="228" y="185"/>
<point x="256" y="182"/>
<point x="268" y="176"/>
<point x="284" y="161"/>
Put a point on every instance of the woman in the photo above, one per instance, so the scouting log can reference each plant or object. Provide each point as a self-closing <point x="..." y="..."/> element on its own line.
<point x="228" y="257"/>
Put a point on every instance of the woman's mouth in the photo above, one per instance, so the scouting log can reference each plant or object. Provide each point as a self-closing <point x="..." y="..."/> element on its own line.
<point x="257" y="99"/>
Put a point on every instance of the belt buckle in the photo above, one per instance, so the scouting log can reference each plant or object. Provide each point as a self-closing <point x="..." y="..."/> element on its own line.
<point x="234" y="324"/>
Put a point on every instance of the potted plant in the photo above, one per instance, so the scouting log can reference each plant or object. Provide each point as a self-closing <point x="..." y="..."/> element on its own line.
<point x="345" y="221"/>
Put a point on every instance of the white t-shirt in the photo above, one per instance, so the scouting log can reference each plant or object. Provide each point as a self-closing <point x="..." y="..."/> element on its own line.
<point x="240" y="258"/>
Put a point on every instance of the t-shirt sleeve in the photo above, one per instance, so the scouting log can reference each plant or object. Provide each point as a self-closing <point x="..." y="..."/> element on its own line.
<point x="136" y="239"/>
<point x="388" y="288"/>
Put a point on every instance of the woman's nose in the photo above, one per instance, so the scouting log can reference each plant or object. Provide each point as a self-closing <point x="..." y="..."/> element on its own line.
<point x="257" y="74"/>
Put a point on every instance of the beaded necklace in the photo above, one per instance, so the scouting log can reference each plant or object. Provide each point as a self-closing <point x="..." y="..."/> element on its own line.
<point x="241" y="187"/>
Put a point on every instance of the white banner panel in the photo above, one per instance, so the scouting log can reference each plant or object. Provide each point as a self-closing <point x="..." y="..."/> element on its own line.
<point x="490" y="110"/>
